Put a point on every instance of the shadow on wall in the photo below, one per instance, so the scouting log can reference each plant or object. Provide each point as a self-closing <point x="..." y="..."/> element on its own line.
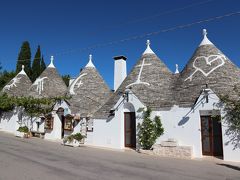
<point x="8" y="115"/>
<point x="230" y="166"/>
<point x="233" y="130"/>
<point x="233" y="134"/>
<point x="109" y="119"/>
<point x="183" y="121"/>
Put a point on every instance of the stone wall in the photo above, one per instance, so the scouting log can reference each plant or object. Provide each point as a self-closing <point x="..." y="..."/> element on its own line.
<point x="183" y="152"/>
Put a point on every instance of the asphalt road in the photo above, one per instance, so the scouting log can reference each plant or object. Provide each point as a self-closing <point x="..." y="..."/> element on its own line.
<point x="37" y="159"/>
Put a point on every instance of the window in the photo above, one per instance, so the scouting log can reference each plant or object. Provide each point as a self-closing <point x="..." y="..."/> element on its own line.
<point x="49" y="122"/>
<point x="68" y="125"/>
<point x="89" y="125"/>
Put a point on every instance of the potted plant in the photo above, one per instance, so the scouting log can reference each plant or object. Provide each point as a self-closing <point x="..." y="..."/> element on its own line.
<point x="23" y="132"/>
<point x="73" y="140"/>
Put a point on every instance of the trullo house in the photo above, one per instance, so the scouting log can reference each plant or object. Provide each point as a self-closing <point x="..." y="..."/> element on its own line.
<point x="17" y="87"/>
<point x="186" y="103"/>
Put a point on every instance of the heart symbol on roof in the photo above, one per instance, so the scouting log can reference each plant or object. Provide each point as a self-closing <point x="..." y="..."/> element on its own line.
<point x="207" y="64"/>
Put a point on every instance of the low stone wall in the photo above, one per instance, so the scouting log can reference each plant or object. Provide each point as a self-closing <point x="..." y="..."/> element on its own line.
<point x="184" y="152"/>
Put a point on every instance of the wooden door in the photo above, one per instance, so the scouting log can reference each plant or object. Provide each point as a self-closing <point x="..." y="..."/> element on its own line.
<point x="206" y="131"/>
<point x="130" y="129"/>
<point x="63" y="123"/>
<point x="211" y="131"/>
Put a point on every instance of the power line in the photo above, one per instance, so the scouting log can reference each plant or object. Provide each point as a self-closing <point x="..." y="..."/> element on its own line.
<point x="151" y="33"/>
<point x="145" y="35"/>
<point x="151" y="17"/>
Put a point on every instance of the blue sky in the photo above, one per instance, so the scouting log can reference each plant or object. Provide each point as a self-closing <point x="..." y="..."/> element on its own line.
<point x="64" y="28"/>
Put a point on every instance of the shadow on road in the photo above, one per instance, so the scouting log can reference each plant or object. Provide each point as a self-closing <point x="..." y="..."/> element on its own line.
<point x="229" y="166"/>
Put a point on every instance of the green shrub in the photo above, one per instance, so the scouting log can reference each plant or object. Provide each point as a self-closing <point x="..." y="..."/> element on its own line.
<point x="70" y="138"/>
<point x="23" y="129"/>
<point x="149" y="130"/>
<point x="78" y="136"/>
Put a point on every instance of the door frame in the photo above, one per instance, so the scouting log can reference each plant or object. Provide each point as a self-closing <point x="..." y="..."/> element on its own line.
<point x="133" y="134"/>
<point x="211" y="137"/>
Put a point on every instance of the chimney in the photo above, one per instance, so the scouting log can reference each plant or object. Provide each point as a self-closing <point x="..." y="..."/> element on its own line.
<point x="120" y="71"/>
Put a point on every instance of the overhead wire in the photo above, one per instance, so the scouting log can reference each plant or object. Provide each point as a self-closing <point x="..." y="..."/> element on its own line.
<point x="105" y="29"/>
<point x="151" y="33"/>
<point x="182" y="26"/>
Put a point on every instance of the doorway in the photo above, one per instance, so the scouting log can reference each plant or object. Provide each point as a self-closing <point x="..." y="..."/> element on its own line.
<point x="130" y="129"/>
<point x="63" y="123"/>
<point x="211" y="131"/>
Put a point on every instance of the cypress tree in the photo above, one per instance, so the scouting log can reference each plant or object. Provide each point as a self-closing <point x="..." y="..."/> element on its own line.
<point x="24" y="58"/>
<point x="36" y="65"/>
<point x="43" y="65"/>
<point x="66" y="79"/>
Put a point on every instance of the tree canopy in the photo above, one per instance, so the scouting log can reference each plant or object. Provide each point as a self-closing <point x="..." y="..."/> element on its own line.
<point x="36" y="65"/>
<point x="43" y="65"/>
<point x="24" y="58"/>
<point x="66" y="79"/>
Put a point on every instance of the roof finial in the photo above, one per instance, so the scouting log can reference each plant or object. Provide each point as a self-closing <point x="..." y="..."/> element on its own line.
<point x="51" y="65"/>
<point x="205" y="40"/>
<point x="148" y="49"/>
<point x="176" y="71"/>
<point x="204" y="32"/>
<point x="22" y="71"/>
<point x="90" y="64"/>
<point x="148" y="42"/>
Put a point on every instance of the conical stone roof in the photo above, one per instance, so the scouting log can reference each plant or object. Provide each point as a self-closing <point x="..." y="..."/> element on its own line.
<point x="210" y="66"/>
<point x="19" y="85"/>
<point x="88" y="91"/>
<point x="48" y="84"/>
<point x="150" y="80"/>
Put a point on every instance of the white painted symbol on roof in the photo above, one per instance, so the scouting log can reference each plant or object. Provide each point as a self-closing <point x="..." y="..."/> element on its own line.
<point x="39" y="84"/>
<point x="14" y="82"/>
<point x="72" y="86"/>
<point x="138" y="81"/>
<point x="209" y="62"/>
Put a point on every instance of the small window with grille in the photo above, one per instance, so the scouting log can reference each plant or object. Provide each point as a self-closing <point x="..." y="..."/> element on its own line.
<point x="49" y="122"/>
<point x="68" y="123"/>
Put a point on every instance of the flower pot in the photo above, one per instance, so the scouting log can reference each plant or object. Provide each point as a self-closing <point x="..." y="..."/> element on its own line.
<point x="21" y="134"/>
<point x="74" y="143"/>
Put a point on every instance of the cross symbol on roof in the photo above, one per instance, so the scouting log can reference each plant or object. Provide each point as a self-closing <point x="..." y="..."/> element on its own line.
<point x="138" y="81"/>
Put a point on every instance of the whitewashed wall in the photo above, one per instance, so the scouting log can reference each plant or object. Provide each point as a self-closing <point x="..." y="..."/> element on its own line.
<point x="56" y="132"/>
<point x="181" y="124"/>
<point x="231" y="144"/>
<point x="11" y="121"/>
<point x="110" y="132"/>
<point x="184" y="125"/>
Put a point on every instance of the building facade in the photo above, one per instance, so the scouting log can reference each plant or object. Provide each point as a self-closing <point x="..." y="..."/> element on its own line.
<point x="187" y="102"/>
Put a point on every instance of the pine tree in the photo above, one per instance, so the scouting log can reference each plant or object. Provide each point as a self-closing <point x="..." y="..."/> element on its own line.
<point x="66" y="79"/>
<point x="43" y="65"/>
<point x="36" y="65"/>
<point x="24" y="58"/>
<point x="149" y="130"/>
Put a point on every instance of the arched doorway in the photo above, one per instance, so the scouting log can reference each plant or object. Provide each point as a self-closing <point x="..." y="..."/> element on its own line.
<point x="60" y="113"/>
<point x="129" y="126"/>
